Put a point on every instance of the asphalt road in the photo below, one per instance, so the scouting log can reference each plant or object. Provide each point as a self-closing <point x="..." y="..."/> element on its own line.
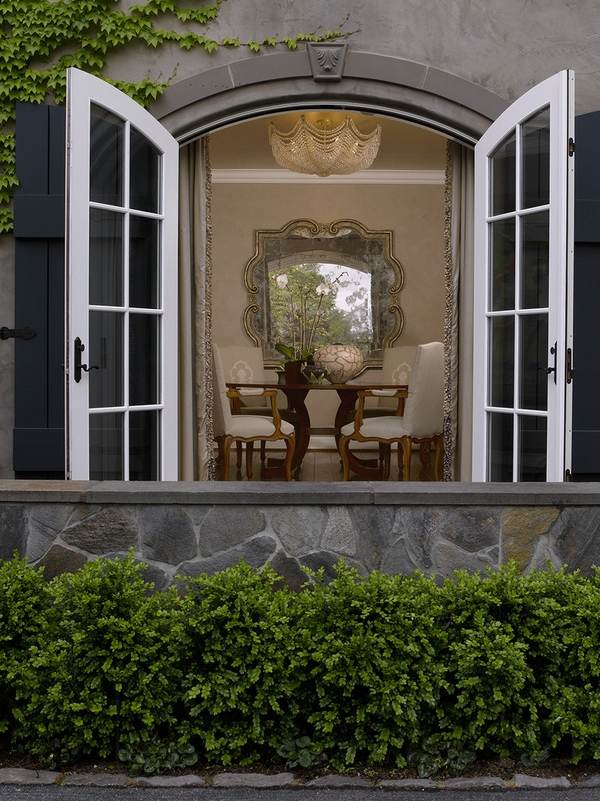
<point x="48" y="793"/>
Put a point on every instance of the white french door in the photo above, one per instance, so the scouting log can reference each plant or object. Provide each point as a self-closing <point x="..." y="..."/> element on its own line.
<point x="523" y="288"/>
<point x="122" y="219"/>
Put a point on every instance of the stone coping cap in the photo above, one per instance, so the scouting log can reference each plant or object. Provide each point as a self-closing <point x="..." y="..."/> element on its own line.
<point x="257" y="493"/>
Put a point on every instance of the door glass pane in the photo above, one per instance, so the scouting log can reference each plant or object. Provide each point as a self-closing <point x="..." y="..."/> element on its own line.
<point x="107" y="134"/>
<point x="534" y="261"/>
<point x="144" y="175"/>
<point x="534" y="361"/>
<point x="106" y="447"/>
<point x="143" y="262"/>
<point x="500" y="447"/>
<point x="502" y="237"/>
<point x="502" y="175"/>
<point x="106" y="258"/>
<point x="106" y="353"/>
<point x="502" y="361"/>
<point x="144" y="445"/>
<point x="532" y="448"/>
<point x="143" y="359"/>
<point x="535" y="144"/>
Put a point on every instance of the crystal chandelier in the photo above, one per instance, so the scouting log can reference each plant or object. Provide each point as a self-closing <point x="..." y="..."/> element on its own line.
<point x="324" y="148"/>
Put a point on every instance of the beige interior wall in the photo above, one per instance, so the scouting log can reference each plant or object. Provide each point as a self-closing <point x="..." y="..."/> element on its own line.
<point x="413" y="212"/>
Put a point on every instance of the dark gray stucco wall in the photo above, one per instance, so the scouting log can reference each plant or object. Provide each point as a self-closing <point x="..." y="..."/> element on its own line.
<point x="506" y="46"/>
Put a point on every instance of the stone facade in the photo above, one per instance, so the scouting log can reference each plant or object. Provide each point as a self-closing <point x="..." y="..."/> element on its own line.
<point x="207" y="528"/>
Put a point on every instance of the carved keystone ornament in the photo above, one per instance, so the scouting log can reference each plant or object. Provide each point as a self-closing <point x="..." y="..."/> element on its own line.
<point x="327" y="60"/>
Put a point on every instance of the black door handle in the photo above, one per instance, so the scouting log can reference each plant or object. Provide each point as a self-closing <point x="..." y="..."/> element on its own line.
<point x="549" y="370"/>
<point x="79" y="348"/>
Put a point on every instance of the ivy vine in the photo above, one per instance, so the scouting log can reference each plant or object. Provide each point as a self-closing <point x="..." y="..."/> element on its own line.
<point x="41" y="38"/>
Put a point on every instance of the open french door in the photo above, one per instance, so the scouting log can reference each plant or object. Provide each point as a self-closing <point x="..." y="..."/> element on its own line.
<point x="524" y="180"/>
<point x="121" y="337"/>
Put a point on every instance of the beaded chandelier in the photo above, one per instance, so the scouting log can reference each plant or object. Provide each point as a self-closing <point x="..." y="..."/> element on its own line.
<point x="324" y="148"/>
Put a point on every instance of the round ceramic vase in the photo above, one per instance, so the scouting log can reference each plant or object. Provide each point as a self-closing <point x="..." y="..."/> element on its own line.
<point x="342" y="362"/>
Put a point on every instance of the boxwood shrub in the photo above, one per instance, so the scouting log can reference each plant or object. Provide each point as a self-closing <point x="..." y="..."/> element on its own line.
<point x="238" y="670"/>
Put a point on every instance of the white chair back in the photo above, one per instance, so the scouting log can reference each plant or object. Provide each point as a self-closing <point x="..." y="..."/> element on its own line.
<point x="397" y="368"/>
<point x="244" y="363"/>
<point x="223" y="416"/>
<point x="423" y="412"/>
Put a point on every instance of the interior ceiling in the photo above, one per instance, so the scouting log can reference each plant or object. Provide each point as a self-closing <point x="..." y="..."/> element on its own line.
<point x="403" y="146"/>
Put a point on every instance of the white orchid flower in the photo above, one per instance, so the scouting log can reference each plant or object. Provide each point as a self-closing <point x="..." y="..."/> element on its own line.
<point x="323" y="289"/>
<point x="282" y="281"/>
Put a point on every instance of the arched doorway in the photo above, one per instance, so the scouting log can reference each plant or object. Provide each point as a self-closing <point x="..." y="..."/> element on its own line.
<point x="390" y="87"/>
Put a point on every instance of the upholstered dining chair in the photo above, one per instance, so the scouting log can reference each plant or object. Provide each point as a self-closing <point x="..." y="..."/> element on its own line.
<point x="421" y="424"/>
<point x="244" y="363"/>
<point x="396" y="369"/>
<point x="247" y="428"/>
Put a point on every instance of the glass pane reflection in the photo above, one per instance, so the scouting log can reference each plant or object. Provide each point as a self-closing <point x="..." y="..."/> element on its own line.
<point x="143" y="262"/>
<point x="106" y="447"/>
<point x="503" y="173"/>
<point x="144" y="175"/>
<point x="106" y="354"/>
<point x="107" y="134"/>
<point x="143" y="359"/>
<point x="106" y="258"/>
<point x="144" y="445"/>
<point x="534" y="361"/>
<point x="502" y="361"/>
<point x="534" y="261"/>
<point x="502" y="236"/>
<point x="532" y="448"/>
<point x="535" y="144"/>
<point x="500" y="437"/>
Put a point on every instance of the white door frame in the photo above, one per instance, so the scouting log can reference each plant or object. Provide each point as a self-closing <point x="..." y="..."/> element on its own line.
<point x="557" y="92"/>
<point x="83" y="90"/>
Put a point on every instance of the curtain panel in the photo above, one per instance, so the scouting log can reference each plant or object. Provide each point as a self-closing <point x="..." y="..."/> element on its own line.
<point x="458" y="276"/>
<point x="196" y="434"/>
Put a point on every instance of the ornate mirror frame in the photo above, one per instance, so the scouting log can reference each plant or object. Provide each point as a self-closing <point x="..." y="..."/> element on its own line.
<point x="310" y="229"/>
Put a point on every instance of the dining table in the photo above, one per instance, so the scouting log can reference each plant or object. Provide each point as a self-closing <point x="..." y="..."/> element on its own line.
<point x="296" y="395"/>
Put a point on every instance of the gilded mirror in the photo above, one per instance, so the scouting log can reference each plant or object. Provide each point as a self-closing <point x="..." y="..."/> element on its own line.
<point x="342" y="277"/>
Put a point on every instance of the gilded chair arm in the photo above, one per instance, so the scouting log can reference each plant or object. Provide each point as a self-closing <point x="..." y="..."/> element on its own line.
<point x="232" y="394"/>
<point x="400" y="394"/>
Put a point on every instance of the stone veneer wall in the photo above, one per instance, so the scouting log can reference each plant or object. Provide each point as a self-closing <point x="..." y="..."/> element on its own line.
<point x="187" y="529"/>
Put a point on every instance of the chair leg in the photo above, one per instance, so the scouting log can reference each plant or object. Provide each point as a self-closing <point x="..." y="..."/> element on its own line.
<point x="225" y="444"/>
<point x="386" y="448"/>
<point x="249" y="459"/>
<point x="438" y="459"/>
<point x="425" y="456"/>
<point x="290" y="444"/>
<point x="344" y="447"/>
<point x="239" y="446"/>
<point x="263" y="451"/>
<point x="404" y="448"/>
<point x="381" y="456"/>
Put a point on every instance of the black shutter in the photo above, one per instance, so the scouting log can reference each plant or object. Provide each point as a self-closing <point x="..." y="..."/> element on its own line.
<point x="39" y="292"/>
<point x="586" y="300"/>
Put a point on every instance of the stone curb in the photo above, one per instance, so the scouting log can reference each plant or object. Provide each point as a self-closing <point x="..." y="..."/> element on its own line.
<point x="26" y="776"/>
<point x="253" y="780"/>
<point x="522" y="781"/>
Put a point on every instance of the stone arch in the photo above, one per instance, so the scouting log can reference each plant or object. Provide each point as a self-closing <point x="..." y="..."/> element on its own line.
<point x="267" y="84"/>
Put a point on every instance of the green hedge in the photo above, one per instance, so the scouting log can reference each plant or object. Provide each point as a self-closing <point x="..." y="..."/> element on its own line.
<point x="383" y="671"/>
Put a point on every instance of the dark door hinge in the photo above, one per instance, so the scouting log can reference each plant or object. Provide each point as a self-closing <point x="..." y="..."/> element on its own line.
<point x="571" y="149"/>
<point x="569" y="366"/>
<point x="568" y="475"/>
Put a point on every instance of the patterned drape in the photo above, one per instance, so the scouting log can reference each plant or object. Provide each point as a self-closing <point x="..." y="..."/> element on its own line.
<point x="197" y="461"/>
<point x="458" y="267"/>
